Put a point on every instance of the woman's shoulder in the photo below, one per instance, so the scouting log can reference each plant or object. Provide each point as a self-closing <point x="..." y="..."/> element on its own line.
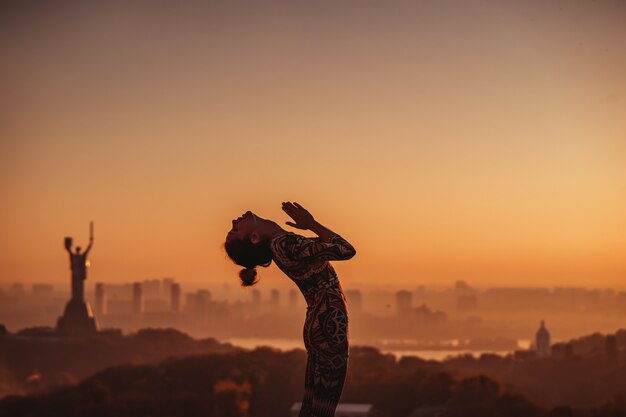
<point x="285" y="245"/>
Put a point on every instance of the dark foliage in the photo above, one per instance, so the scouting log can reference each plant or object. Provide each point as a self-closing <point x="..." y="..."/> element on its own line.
<point x="266" y="382"/>
<point x="36" y="359"/>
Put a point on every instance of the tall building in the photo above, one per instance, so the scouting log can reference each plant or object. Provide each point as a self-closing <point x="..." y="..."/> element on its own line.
<point x="190" y="302"/>
<point x="355" y="300"/>
<point x="175" y="298"/>
<point x="151" y="287"/>
<point x="101" y="300"/>
<point x="167" y="287"/>
<point x="293" y="298"/>
<point x="275" y="297"/>
<point x="137" y="298"/>
<point x="204" y="294"/>
<point x="542" y="340"/>
<point x="403" y="302"/>
<point x="256" y="296"/>
<point x="202" y="304"/>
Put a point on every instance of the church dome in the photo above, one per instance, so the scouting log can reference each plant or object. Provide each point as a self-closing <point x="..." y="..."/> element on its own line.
<point x="543" y="333"/>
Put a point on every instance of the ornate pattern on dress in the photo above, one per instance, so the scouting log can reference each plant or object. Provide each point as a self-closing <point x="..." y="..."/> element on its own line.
<point x="305" y="261"/>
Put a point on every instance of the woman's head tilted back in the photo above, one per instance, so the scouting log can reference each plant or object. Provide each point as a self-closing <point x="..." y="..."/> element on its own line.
<point x="247" y="245"/>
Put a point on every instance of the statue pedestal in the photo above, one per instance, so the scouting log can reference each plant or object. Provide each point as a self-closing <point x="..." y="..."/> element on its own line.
<point x="77" y="320"/>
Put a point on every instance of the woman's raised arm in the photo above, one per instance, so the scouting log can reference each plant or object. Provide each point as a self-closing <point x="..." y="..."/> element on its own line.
<point x="330" y="246"/>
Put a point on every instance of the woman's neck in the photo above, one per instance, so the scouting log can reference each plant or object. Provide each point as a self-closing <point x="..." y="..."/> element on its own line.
<point x="273" y="230"/>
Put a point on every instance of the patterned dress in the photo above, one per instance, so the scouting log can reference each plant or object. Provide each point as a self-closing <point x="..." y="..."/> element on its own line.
<point x="305" y="261"/>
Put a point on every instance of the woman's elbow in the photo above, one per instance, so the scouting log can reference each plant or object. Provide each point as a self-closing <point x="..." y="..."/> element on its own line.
<point x="349" y="253"/>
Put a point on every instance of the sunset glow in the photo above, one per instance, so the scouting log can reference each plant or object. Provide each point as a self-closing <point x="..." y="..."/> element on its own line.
<point x="445" y="141"/>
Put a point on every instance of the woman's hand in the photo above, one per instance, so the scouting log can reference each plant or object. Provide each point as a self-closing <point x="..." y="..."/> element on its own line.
<point x="303" y="219"/>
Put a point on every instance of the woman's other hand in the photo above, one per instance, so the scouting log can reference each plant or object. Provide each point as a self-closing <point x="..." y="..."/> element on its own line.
<point x="303" y="219"/>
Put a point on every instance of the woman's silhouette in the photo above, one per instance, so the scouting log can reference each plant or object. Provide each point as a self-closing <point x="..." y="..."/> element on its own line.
<point x="254" y="241"/>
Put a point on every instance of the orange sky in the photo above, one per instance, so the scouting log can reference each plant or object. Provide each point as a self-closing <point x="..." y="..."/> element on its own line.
<point x="477" y="140"/>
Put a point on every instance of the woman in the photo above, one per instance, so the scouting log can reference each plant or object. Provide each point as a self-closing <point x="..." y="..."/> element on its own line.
<point x="254" y="241"/>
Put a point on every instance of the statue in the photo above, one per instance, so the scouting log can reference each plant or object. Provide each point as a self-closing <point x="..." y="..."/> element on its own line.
<point x="78" y="319"/>
<point x="79" y="265"/>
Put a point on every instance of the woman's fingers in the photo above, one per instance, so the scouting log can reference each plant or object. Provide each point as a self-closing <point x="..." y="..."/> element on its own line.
<point x="297" y="207"/>
<point x="288" y="205"/>
<point x="290" y="209"/>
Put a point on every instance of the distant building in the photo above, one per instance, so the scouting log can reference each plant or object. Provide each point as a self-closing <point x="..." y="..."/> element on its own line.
<point x="190" y="302"/>
<point x="343" y="410"/>
<point x="17" y="289"/>
<point x="275" y="297"/>
<point x="256" y="296"/>
<point x="119" y="306"/>
<point x="152" y="287"/>
<point x="101" y="299"/>
<point x="137" y="298"/>
<point x="462" y="287"/>
<point x="404" y="300"/>
<point x="167" y="287"/>
<point x="542" y="341"/>
<point x="202" y="301"/>
<point x="467" y="302"/>
<point x="293" y="298"/>
<point x="175" y="298"/>
<point x="355" y="300"/>
<point x="204" y="294"/>
<point x="424" y="316"/>
<point x="155" y="304"/>
<point x="41" y="290"/>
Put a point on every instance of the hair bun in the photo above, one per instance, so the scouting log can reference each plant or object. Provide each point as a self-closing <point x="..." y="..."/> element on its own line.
<point x="248" y="276"/>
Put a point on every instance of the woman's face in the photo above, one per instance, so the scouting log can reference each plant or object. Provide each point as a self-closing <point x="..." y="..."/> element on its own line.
<point x="244" y="225"/>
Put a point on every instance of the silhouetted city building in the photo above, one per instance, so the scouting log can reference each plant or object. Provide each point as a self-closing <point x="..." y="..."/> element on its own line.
<point x="355" y="300"/>
<point x="190" y="302"/>
<point x="101" y="299"/>
<point x="175" y="298"/>
<point x="403" y="302"/>
<point x="467" y="302"/>
<point x="17" y="289"/>
<point x="155" y="304"/>
<point x="542" y="341"/>
<point x="152" y="287"/>
<point x="256" y="296"/>
<point x="204" y="294"/>
<point x="274" y="298"/>
<point x="167" y="287"/>
<point x="201" y="302"/>
<point x="293" y="298"/>
<point x="137" y="298"/>
<point x="43" y="290"/>
<point x="423" y="315"/>
<point x="462" y="287"/>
